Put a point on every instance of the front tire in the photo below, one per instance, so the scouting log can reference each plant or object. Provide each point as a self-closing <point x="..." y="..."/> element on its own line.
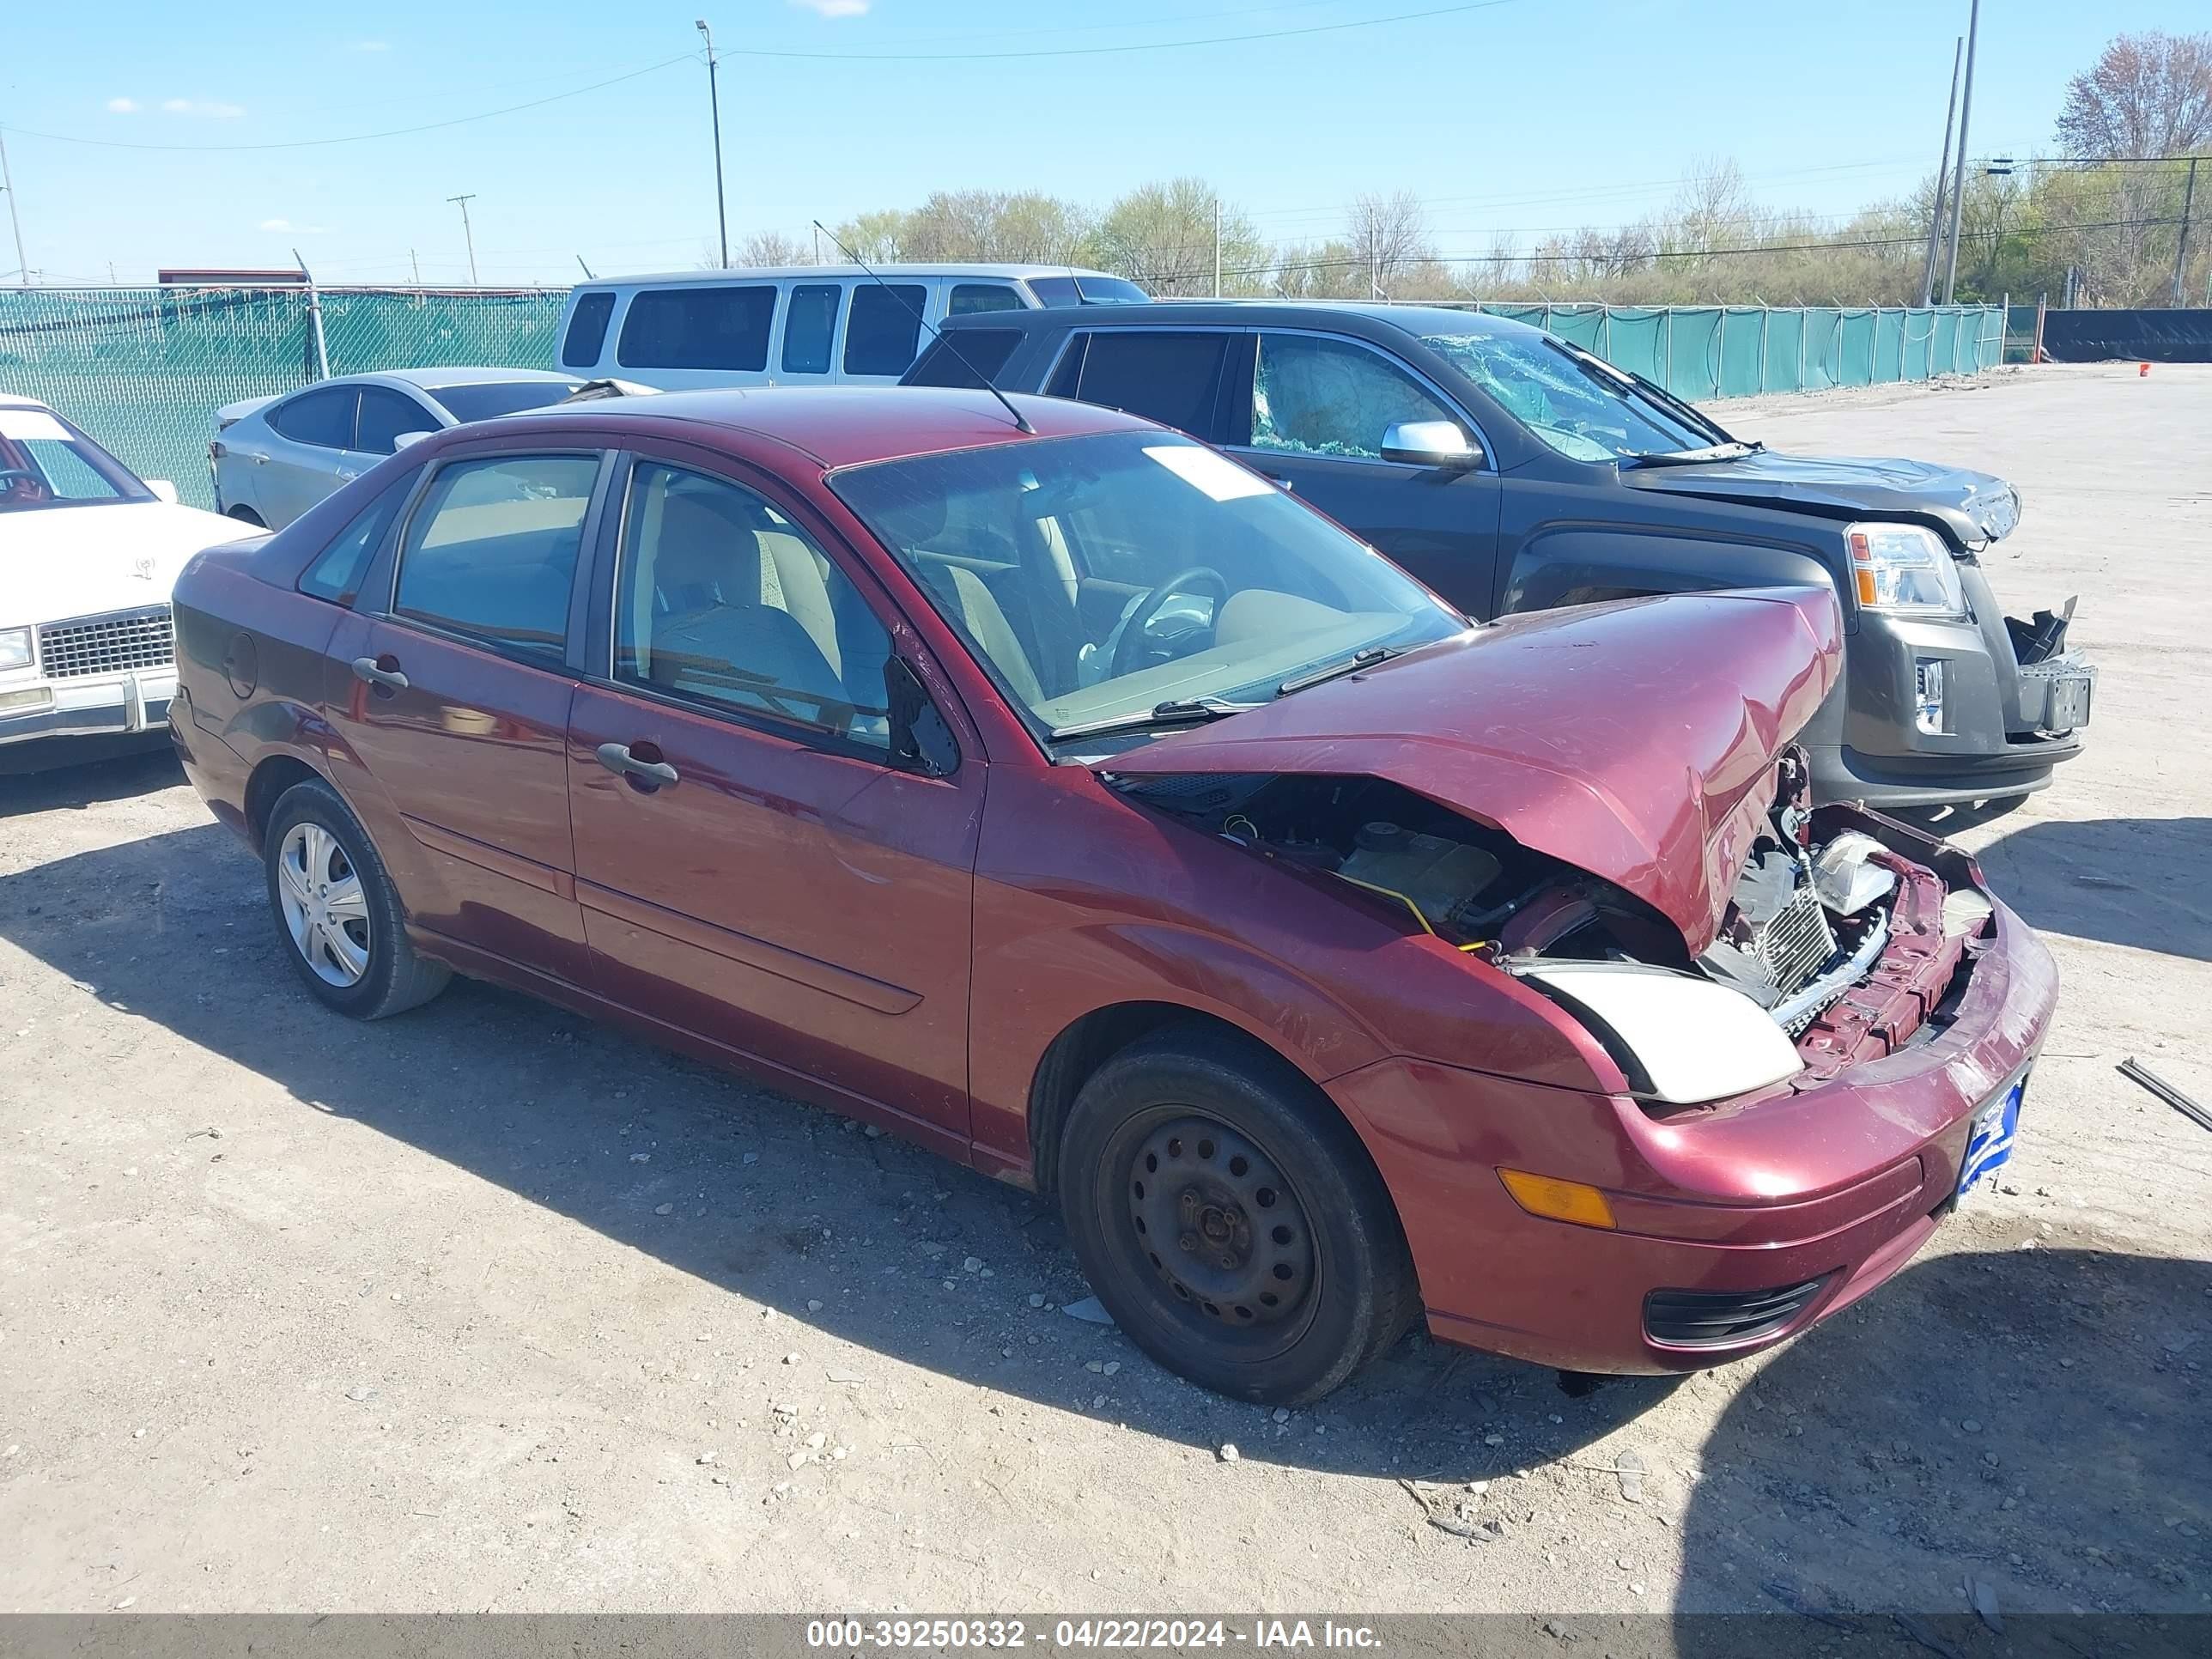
<point x="338" y="915"/>
<point x="1231" y="1221"/>
<point x="247" y="515"/>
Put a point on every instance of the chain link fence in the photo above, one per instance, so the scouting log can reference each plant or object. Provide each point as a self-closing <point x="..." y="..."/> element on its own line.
<point x="144" y="369"/>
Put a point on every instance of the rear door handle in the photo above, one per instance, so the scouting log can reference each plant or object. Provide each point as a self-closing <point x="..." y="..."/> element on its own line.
<point x="616" y="758"/>
<point x="1283" y="484"/>
<point x="372" y="670"/>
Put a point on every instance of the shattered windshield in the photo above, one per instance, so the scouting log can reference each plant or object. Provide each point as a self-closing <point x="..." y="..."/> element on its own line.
<point x="1573" y="404"/>
<point x="1123" y="575"/>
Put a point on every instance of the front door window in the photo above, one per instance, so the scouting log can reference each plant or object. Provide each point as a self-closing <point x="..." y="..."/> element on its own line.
<point x="1316" y="396"/>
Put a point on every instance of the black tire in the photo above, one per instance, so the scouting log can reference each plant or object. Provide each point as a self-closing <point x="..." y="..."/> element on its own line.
<point x="1287" y="1271"/>
<point x="393" y="978"/>
<point x="247" y="515"/>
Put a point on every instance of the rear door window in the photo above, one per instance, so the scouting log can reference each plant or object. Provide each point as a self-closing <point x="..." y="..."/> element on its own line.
<point x="491" y="552"/>
<point x="969" y="298"/>
<point x="587" y="330"/>
<point x="809" y="326"/>
<point x="882" y="327"/>
<point x="323" y="418"/>
<point x="1173" y="377"/>
<point x="698" y="328"/>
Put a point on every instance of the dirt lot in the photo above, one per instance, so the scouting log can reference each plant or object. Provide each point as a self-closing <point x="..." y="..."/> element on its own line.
<point x="489" y="1308"/>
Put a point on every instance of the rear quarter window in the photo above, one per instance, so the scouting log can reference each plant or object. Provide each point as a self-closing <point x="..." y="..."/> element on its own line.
<point x="587" y="330"/>
<point x="984" y="351"/>
<point x="697" y="328"/>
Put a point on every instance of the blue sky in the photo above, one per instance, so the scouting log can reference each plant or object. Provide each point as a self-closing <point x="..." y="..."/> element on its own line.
<point x="1522" y="114"/>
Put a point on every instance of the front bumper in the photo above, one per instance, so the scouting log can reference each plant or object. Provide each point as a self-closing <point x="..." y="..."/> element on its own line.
<point x="86" y="708"/>
<point x="1833" y="1182"/>
<point x="2003" y="726"/>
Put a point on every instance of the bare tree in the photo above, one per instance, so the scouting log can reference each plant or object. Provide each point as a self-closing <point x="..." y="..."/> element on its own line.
<point x="1162" y="236"/>
<point x="1390" y="235"/>
<point x="878" y="237"/>
<point x="773" y="248"/>
<point x="2147" y="94"/>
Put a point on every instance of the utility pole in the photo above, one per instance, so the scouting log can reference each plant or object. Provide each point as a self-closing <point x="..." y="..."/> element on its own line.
<point x="467" y="234"/>
<point x="14" y="218"/>
<point x="1217" y="245"/>
<point x="1959" y="172"/>
<point x="715" y="101"/>
<point x="2181" y="241"/>
<point x="415" y="266"/>
<point x="1935" y="215"/>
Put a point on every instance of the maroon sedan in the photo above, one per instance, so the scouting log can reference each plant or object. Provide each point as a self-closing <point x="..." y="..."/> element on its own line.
<point x="1051" y="789"/>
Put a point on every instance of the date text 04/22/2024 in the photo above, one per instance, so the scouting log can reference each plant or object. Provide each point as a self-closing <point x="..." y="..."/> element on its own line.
<point x="1085" y="1634"/>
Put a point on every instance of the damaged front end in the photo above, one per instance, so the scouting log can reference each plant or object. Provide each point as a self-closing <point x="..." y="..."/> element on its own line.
<point x="1845" y="936"/>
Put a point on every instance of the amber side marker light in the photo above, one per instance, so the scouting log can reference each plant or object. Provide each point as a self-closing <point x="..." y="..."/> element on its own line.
<point x="1558" y="1200"/>
<point x="1863" y="568"/>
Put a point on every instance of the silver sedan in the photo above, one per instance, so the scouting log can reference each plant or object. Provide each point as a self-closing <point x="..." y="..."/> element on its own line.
<point x="274" y="458"/>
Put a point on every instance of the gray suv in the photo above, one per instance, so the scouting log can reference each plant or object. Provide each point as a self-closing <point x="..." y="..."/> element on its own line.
<point x="1512" y="471"/>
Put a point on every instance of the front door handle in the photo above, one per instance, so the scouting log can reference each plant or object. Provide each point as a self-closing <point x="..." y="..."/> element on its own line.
<point x="372" y="670"/>
<point x="618" y="758"/>
<point x="346" y="475"/>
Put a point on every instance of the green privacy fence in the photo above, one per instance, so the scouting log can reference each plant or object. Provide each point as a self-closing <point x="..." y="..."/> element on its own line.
<point x="1701" y="352"/>
<point x="143" y="370"/>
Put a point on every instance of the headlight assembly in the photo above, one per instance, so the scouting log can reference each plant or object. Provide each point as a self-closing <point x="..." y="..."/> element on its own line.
<point x="14" y="647"/>
<point x="1690" y="1040"/>
<point x="1903" y="570"/>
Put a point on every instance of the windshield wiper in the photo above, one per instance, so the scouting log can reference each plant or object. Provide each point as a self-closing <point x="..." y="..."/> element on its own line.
<point x="1731" y="451"/>
<point x="1182" y="711"/>
<point x="1357" y="661"/>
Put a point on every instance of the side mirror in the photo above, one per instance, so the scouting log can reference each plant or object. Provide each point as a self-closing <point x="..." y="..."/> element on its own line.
<point x="1431" y="443"/>
<point x="920" y="740"/>
<point x="163" y="491"/>
<point x="405" y="438"/>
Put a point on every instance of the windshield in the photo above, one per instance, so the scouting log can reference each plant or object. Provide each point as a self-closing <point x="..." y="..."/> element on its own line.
<point x="1073" y="291"/>
<point x="1574" y="404"/>
<point x="1101" y="577"/>
<point x="489" y="400"/>
<point x="46" y="462"/>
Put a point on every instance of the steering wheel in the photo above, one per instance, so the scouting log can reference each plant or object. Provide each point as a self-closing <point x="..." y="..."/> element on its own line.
<point x="1133" y="625"/>
<point x="9" y="476"/>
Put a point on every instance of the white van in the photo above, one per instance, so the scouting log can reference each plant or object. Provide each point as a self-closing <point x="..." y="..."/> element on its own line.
<point x="798" y="324"/>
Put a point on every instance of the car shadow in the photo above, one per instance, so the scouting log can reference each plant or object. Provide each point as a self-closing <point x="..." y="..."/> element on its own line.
<point x="2127" y="881"/>
<point x="2018" y="1427"/>
<point x="777" y="1197"/>
<point x="58" y="773"/>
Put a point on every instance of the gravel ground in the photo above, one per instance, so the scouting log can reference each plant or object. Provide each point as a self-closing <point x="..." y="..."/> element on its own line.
<point x="490" y="1308"/>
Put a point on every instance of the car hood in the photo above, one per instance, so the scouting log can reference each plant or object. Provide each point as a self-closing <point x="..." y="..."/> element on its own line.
<point x="62" y="562"/>
<point x="1637" y="740"/>
<point x="1973" y="506"/>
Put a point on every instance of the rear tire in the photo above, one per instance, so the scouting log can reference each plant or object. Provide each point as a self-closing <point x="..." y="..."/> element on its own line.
<point x="338" y="917"/>
<point x="1230" y="1219"/>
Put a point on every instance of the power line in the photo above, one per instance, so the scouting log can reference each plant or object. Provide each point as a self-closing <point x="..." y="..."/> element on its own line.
<point x="1098" y="52"/>
<point x="364" y="137"/>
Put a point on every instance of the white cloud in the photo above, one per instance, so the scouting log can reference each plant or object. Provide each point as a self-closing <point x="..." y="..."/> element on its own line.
<point x="202" y="109"/>
<point x="275" y="224"/>
<point x="835" y="8"/>
<point x="368" y="46"/>
<point x="281" y="226"/>
<point x="123" y="106"/>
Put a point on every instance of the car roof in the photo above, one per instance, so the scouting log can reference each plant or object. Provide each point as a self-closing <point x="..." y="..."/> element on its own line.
<point x="837" y="425"/>
<point x="786" y="273"/>
<point x="16" y="400"/>
<point x="430" y="379"/>
<point x="1254" y="313"/>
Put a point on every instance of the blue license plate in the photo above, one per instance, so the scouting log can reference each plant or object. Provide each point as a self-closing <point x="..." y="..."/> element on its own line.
<point x="1990" y="1136"/>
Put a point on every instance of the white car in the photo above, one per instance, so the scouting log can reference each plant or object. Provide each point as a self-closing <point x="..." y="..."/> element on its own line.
<point x="89" y="552"/>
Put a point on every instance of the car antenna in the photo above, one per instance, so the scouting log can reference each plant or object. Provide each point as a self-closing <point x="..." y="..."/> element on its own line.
<point x="1021" y="421"/>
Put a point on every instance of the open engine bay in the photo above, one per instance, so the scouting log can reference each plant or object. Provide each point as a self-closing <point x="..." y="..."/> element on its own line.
<point x="1835" y="946"/>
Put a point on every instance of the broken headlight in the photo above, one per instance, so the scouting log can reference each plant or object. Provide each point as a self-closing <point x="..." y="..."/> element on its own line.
<point x="1904" y="569"/>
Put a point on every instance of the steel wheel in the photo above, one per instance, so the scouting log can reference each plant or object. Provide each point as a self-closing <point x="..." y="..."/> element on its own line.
<point x="1220" y="1225"/>
<point x="324" y="908"/>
